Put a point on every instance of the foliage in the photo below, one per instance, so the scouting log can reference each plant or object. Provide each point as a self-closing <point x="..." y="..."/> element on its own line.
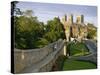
<point x="28" y="13"/>
<point x="92" y="31"/>
<point x="30" y="33"/>
<point x="14" y="9"/>
<point x="54" y="30"/>
<point x="27" y="31"/>
<point x="41" y="43"/>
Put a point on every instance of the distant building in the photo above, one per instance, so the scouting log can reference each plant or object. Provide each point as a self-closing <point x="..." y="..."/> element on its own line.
<point x="70" y="19"/>
<point x="76" y="30"/>
<point x="80" y="19"/>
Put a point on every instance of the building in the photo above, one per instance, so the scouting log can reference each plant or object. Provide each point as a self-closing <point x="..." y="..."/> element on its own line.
<point x="76" y="30"/>
<point x="80" y="19"/>
<point x="70" y="19"/>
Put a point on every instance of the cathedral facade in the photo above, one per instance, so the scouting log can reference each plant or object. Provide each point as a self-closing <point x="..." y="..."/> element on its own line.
<point x="74" y="30"/>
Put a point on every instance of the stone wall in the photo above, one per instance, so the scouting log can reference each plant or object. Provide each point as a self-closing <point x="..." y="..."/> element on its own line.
<point x="34" y="60"/>
<point x="48" y="66"/>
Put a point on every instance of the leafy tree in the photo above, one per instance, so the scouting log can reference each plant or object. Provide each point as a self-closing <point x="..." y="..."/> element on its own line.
<point x="28" y="13"/>
<point x="28" y="30"/>
<point x="30" y="33"/>
<point x="41" y="43"/>
<point x="92" y="31"/>
<point x="54" y="30"/>
<point x="14" y="9"/>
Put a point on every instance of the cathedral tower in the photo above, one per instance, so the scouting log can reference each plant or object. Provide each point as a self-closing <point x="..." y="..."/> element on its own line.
<point x="70" y="19"/>
<point x="80" y="19"/>
<point x="64" y="19"/>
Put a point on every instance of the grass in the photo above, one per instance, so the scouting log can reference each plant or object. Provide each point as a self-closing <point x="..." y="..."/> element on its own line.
<point x="80" y="54"/>
<point x="77" y="65"/>
<point x="77" y="49"/>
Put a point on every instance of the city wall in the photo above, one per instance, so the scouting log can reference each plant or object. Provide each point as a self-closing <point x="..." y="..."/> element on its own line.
<point x="38" y="60"/>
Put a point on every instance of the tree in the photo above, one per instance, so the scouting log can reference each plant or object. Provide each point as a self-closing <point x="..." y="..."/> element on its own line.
<point x="54" y="29"/>
<point x="92" y="31"/>
<point x="28" y="30"/>
<point x="28" y="13"/>
<point x="30" y="33"/>
<point x="14" y="9"/>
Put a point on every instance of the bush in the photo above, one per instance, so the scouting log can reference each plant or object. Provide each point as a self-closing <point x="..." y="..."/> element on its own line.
<point x="41" y="43"/>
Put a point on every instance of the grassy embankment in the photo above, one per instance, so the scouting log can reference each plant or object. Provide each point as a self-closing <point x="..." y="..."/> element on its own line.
<point x="77" y="49"/>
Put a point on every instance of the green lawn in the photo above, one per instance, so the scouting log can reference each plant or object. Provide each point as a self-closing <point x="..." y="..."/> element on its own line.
<point x="77" y="49"/>
<point x="77" y="65"/>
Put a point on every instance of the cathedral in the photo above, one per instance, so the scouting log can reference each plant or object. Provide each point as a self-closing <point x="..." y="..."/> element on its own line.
<point x="74" y="30"/>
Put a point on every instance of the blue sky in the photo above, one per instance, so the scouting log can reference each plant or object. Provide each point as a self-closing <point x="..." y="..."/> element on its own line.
<point x="47" y="11"/>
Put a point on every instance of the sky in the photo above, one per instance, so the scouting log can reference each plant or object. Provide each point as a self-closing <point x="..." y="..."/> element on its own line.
<point x="47" y="11"/>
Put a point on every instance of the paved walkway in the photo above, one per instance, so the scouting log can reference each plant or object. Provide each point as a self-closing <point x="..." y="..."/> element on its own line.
<point x="91" y="45"/>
